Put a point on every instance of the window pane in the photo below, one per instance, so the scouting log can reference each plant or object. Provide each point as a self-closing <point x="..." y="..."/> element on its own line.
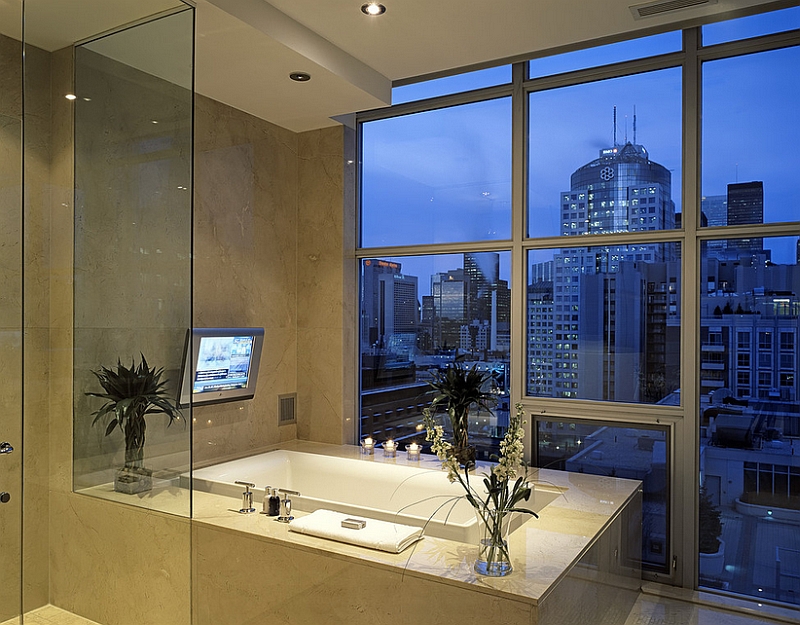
<point x="753" y="26"/>
<point x="420" y="313"/>
<point x="606" y="55"/>
<point x="603" y="323"/>
<point x="629" y="451"/>
<point x="452" y="84"/>
<point x="750" y="134"/>
<point x="750" y="417"/>
<point x="590" y="168"/>
<point x="438" y="177"/>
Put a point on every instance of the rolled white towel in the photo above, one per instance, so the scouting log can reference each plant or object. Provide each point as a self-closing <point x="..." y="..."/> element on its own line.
<point x="381" y="535"/>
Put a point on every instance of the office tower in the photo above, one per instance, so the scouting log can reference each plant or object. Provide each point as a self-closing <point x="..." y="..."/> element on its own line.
<point x="604" y="303"/>
<point x="390" y="312"/>
<point x="746" y="206"/>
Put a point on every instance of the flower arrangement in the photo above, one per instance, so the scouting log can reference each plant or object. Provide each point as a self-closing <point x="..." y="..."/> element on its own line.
<point x="502" y="494"/>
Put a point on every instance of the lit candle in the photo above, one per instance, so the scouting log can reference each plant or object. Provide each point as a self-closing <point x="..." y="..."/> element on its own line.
<point x="413" y="450"/>
<point x="368" y="446"/>
<point x="389" y="448"/>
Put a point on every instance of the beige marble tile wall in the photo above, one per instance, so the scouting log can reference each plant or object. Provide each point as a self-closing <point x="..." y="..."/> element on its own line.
<point x="323" y="277"/>
<point x="245" y="266"/>
<point x="10" y="316"/>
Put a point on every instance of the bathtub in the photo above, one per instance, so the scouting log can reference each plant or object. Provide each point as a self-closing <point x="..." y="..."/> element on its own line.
<point x="371" y="488"/>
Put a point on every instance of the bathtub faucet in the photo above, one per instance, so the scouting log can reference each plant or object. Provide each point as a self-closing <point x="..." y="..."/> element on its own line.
<point x="286" y="505"/>
<point x="247" y="498"/>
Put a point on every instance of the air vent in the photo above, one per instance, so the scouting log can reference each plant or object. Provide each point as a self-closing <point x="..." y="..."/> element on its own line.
<point x="651" y="9"/>
<point x="287" y="405"/>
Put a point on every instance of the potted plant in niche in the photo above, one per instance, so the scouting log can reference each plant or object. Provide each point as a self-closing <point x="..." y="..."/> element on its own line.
<point x="130" y="394"/>
<point x="711" y="547"/>
<point x="459" y="389"/>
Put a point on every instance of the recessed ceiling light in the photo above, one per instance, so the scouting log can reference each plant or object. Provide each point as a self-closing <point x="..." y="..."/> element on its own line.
<point x="70" y="96"/>
<point x="373" y="8"/>
<point x="300" y="76"/>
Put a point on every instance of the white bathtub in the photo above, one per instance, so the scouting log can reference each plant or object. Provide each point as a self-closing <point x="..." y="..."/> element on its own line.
<point x="369" y="488"/>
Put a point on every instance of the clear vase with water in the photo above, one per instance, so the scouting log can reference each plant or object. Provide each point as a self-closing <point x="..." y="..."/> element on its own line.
<point x="493" y="558"/>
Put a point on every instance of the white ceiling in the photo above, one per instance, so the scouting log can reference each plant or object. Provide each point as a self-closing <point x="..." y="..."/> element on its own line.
<point x="247" y="48"/>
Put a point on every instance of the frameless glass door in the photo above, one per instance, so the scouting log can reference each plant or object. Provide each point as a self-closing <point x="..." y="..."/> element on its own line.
<point x="10" y="311"/>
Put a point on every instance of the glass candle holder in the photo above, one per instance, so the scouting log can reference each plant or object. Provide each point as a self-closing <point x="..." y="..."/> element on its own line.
<point x="413" y="451"/>
<point x="390" y="449"/>
<point x="368" y="446"/>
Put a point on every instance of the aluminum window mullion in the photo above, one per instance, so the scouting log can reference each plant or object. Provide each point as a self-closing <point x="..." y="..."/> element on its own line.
<point x="604" y="72"/>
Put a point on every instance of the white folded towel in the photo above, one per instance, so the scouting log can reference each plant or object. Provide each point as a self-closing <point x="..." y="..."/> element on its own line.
<point x="381" y="535"/>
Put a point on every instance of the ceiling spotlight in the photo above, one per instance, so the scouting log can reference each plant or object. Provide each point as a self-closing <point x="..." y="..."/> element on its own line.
<point x="71" y="96"/>
<point x="300" y="76"/>
<point x="373" y="8"/>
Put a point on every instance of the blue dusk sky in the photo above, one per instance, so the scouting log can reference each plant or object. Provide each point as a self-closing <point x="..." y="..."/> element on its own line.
<point x="444" y="176"/>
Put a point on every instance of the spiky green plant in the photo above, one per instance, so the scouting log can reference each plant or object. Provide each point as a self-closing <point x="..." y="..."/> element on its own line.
<point x="132" y="393"/>
<point x="460" y="388"/>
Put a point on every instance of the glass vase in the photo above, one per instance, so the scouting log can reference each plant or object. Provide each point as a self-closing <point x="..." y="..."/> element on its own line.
<point x="493" y="558"/>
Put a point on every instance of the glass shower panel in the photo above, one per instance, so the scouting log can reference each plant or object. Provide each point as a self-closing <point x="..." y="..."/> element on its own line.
<point x="10" y="311"/>
<point x="132" y="290"/>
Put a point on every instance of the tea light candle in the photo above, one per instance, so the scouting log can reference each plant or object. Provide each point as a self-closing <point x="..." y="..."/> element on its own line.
<point x="413" y="450"/>
<point x="368" y="446"/>
<point x="390" y="448"/>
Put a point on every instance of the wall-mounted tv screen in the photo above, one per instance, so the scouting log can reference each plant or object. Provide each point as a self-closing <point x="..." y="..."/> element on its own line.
<point x="220" y="365"/>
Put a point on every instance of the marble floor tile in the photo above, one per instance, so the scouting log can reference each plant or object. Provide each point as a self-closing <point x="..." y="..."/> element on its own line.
<point x="49" y="615"/>
<point x="650" y="610"/>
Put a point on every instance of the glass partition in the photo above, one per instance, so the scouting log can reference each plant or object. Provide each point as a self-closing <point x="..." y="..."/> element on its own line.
<point x="132" y="104"/>
<point x="10" y="311"/>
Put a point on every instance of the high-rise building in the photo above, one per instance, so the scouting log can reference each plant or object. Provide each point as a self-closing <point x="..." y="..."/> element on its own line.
<point x="606" y="304"/>
<point x="746" y="206"/>
<point x="389" y="306"/>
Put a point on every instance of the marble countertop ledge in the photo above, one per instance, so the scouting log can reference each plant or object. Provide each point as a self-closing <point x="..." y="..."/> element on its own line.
<point x="542" y="549"/>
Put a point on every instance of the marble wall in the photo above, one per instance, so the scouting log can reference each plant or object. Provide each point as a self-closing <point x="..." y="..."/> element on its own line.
<point x="245" y="266"/>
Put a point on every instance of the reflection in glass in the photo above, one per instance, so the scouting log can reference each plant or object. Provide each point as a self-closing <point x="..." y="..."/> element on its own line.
<point x="418" y="315"/>
<point x="438" y="177"/>
<point x="605" y="157"/>
<point x="750" y="417"/>
<point x="748" y="104"/>
<point x="631" y="451"/>
<point x="603" y="323"/>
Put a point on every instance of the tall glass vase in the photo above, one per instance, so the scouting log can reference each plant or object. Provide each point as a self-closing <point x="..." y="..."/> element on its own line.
<point x="493" y="558"/>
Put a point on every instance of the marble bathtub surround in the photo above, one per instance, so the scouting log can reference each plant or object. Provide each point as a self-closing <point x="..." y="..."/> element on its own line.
<point x="546" y="553"/>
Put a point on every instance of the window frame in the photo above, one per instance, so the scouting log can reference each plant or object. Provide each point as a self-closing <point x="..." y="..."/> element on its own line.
<point x="682" y="421"/>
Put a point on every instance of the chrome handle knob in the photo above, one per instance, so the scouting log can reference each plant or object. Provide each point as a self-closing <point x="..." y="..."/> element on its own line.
<point x="6" y="448"/>
<point x="5" y="497"/>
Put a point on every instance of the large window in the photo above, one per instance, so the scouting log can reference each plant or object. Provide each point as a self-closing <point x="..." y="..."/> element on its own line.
<point x="603" y="323"/>
<point x="615" y="235"/>
<point x="420" y="314"/>
<point x="437" y="176"/>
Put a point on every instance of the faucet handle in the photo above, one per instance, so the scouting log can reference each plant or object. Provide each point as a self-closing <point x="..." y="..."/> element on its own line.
<point x="247" y="497"/>
<point x="286" y="505"/>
